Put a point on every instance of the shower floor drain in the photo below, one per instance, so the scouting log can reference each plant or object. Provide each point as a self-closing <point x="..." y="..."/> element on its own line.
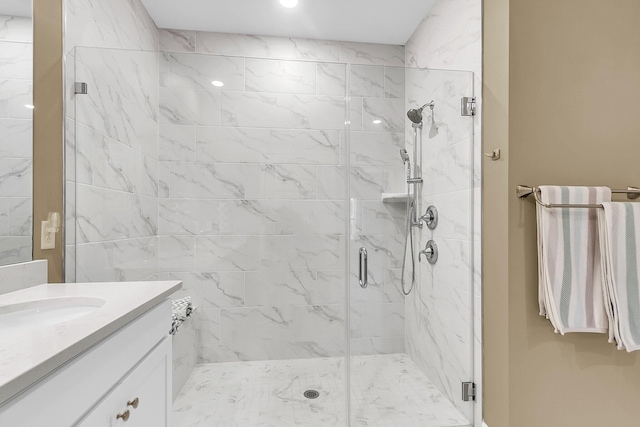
<point x="311" y="394"/>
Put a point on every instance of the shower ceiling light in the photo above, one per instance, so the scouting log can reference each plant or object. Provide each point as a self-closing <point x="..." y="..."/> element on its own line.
<point x="289" y="3"/>
<point x="377" y="121"/>
<point x="217" y="83"/>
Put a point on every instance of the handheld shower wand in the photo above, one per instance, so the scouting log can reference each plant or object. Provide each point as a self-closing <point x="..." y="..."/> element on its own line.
<point x="405" y="156"/>
<point x="407" y="161"/>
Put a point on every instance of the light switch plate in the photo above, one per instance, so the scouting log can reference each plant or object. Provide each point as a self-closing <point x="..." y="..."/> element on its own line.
<point x="47" y="240"/>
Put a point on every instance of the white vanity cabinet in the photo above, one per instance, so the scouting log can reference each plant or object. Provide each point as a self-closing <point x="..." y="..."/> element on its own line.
<point x="140" y="399"/>
<point x="96" y="386"/>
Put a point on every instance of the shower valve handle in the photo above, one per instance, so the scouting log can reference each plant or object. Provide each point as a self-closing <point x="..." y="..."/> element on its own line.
<point x="427" y="217"/>
<point x="430" y="252"/>
<point x="430" y="218"/>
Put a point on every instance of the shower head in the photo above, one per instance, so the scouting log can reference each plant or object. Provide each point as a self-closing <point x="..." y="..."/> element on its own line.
<point x="405" y="156"/>
<point x="415" y="115"/>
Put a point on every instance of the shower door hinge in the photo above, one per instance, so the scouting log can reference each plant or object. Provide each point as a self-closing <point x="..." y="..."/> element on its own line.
<point x="80" y="88"/>
<point x="468" y="391"/>
<point x="468" y="106"/>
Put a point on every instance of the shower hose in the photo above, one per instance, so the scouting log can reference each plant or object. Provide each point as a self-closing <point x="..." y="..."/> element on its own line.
<point x="408" y="236"/>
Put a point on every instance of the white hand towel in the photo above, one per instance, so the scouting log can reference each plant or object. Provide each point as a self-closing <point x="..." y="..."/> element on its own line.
<point x="620" y="240"/>
<point x="570" y="277"/>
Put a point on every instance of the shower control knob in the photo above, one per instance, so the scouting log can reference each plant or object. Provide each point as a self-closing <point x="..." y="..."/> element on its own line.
<point x="430" y="217"/>
<point x="430" y="252"/>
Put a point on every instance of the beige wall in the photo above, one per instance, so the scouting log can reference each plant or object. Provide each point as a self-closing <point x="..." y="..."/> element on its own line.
<point x="495" y="193"/>
<point x="574" y="82"/>
<point x="48" y="147"/>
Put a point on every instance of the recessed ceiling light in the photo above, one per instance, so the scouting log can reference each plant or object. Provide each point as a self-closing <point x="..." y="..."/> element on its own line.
<point x="217" y="83"/>
<point x="29" y="106"/>
<point x="377" y="121"/>
<point x="289" y="3"/>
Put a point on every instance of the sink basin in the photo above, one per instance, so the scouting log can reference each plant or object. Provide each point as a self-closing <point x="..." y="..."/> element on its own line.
<point x="48" y="311"/>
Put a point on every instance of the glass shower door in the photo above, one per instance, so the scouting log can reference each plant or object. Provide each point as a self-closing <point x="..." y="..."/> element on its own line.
<point x="112" y="165"/>
<point x="230" y="177"/>
<point x="258" y="197"/>
<point x="411" y="342"/>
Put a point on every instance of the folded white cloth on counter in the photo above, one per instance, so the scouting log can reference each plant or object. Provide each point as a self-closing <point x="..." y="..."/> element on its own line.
<point x="620" y="240"/>
<point x="570" y="277"/>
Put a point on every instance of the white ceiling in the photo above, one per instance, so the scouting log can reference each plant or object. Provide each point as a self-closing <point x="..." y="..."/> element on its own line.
<point x="15" y="7"/>
<point x="373" y="21"/>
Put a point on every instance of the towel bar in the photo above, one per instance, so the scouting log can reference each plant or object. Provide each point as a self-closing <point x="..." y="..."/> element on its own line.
<point x="523" y="191"/>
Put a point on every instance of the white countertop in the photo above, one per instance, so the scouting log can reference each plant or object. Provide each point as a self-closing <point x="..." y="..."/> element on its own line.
<point x="29" y="354"/>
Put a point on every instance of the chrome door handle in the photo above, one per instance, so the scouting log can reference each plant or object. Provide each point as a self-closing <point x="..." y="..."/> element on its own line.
<point x="364" y="280"/>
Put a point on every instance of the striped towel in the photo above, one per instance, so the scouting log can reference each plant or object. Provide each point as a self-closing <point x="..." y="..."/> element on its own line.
<point x="620" y="239"/>
<point x="570" y="278"/>
<point x="181" y="309"/>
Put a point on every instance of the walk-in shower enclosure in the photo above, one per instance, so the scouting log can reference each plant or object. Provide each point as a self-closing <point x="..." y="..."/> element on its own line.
<point x="258" y="195"/>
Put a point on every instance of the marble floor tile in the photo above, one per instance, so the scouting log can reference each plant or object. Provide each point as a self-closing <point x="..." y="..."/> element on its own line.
<point x="386" y="391"/>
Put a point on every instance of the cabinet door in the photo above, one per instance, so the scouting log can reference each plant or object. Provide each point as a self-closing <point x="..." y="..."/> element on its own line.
<point x="153" y="394"/>
<point x="145" y="393"/>
<point x="71" y="391"/>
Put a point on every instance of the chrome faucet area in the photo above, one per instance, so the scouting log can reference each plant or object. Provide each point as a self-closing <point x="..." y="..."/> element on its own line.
<point x="414" y="179"/>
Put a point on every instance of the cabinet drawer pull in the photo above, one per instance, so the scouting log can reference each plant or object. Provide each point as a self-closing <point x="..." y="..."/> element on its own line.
<point x="124" y="415"/>
<point x="133" y="403"/>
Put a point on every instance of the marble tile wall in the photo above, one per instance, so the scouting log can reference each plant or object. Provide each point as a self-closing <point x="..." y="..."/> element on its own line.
<point x="251" y="46"/>
<point x="116" y="165"/>
<point x="16" y="160"/>
<point x="112" y="152"/>
<point x="438" y="327"/>
<point x="119" y="24"/>
<point x="439" y="316"/>
<point x="377" y="135"/>
<point x="252" y="190"/>
<point x="112" y="141"/>
<point x="449" y="37"/>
